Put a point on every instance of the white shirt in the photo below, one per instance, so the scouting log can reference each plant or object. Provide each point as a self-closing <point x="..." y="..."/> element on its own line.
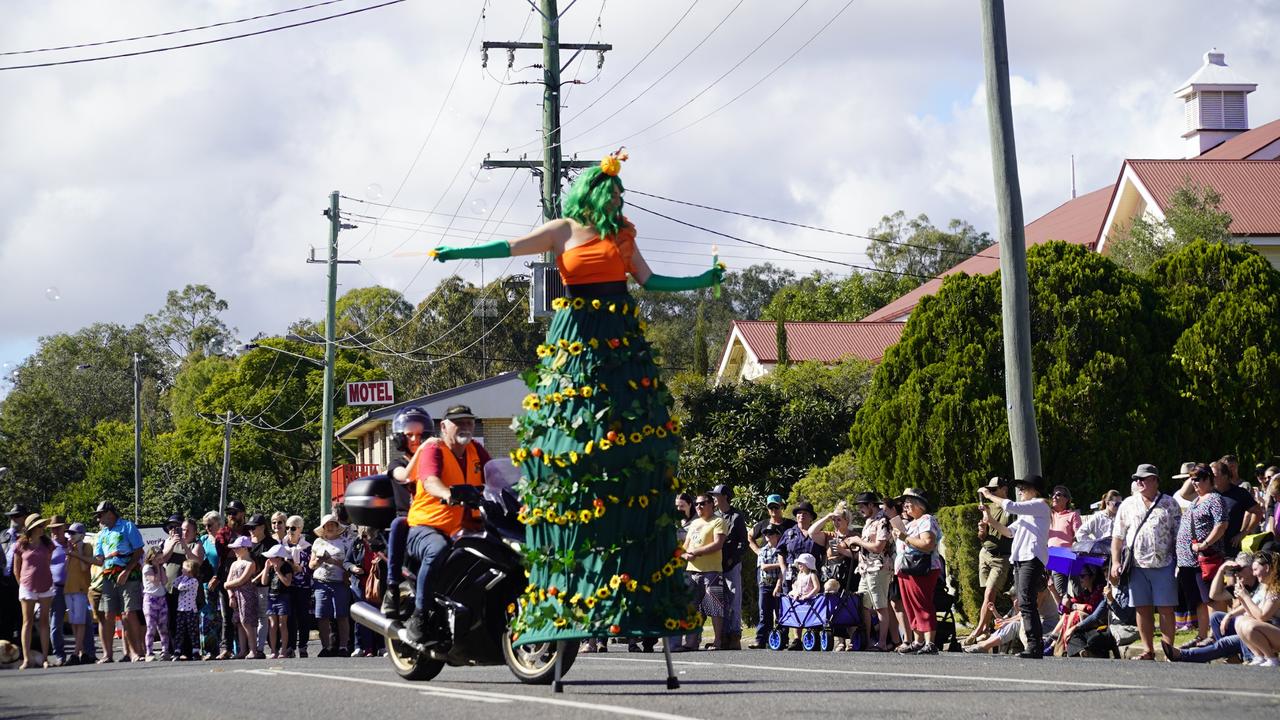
<point x="1030" y="529"/>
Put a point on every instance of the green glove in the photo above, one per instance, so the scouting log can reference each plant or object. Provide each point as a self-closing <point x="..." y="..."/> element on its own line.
<point x="663" y="283"/>
<point x="488" y="251"/>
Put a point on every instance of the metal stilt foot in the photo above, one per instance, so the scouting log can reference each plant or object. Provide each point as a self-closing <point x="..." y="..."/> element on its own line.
<point x="557" y="686"/>
<point x="673" y="683"/>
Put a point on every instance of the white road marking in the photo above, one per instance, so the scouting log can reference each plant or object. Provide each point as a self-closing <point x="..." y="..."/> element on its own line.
<point x="974" y="678"/>
<point x="441" y="693"/>
<point x="460" y="694"/>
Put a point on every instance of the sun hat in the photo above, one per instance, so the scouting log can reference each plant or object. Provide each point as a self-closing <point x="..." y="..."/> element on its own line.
<point x="18" y="510"/>
<point x="914" y="494"/>
<point x="804" y="506"/>
<point x="806" y="560"/>
<point x="866" y="498"/>
<point x="1035" y="481"/>
<point x="58" y="521"/>
<point x="33" y="522"/>
<point x="330" y="518"/>
<point x="1146" y="470"/>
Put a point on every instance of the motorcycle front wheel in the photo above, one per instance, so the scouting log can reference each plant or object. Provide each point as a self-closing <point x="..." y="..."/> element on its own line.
<point x="536" y="664"/>
<point x="410" y="664"/>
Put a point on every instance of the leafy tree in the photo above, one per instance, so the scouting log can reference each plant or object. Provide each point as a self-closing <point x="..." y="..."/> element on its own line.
<point x="780" y="340"/>
<point x="189" y="322"/>
<point x="824" y="297"/>
<point x="1194" y="213"/>
<point x="760" y="437"/>
<point x="935" y="416"/>
<point x="1225" y="298"/>
<point x="914" y="246"/>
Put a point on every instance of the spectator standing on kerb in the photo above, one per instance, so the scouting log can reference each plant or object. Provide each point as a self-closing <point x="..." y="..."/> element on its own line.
<point x="703" y="544"/>
<point x="774" y="518"/>
<point x="76" y="594"/>
<point x="735" y="546"/>
<point x="875" y="569"/>
<point x="57" y="528"/>
<point x="993" y="557"/>
<point x="769" y="569"/>
<point x="1029" y="552"/>
<point x="10" y="610"/>
<point x="1147" y="526"/>
<point x="1243" y="511"/>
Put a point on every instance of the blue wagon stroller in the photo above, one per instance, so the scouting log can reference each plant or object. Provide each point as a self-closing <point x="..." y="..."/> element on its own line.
<point x="817" y="618"/>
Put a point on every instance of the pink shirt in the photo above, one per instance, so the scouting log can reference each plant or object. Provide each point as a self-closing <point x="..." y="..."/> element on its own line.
<point x="37" y="573"/>
<point x="1062" y="528"/>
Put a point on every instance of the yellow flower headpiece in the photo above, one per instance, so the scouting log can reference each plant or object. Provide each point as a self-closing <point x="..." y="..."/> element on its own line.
<point x="611" y="165"/>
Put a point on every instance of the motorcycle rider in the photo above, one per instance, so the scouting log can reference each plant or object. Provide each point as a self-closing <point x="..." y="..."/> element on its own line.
<point x="410" y="429"/>
<point x="438" y="471"/>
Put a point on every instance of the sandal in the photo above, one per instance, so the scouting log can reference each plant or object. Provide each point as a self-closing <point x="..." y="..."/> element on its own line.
<point x="105" y="660"/>
<point x="1144" y="656"/>
<point x="909" y="648"/>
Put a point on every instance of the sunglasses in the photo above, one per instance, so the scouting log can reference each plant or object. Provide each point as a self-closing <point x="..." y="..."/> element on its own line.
<point x="701" y="503"/>
<point x="1061" y="495"/>
<point x="295" y="529"/>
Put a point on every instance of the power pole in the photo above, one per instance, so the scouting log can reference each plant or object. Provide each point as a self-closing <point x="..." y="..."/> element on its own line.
<point x="137" y="442"/>
<point x="1014" y="301"/>
<point x="330" y="346"/>
<point x="226" y="464"/>
<point x="553" y="164"/>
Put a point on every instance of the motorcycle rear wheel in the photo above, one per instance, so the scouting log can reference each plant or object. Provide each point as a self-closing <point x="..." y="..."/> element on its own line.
<point x="411" y="664"/>
<point x="536" y="664"/>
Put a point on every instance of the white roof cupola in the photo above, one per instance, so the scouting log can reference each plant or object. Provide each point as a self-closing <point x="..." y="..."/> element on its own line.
<point x="1215" y="107"/>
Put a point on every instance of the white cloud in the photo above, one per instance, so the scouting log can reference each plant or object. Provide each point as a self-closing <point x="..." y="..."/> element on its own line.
<point x="127" y="178"/>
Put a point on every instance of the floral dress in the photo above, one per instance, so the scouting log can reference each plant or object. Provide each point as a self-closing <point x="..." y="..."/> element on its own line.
<point x="598" y="461"/>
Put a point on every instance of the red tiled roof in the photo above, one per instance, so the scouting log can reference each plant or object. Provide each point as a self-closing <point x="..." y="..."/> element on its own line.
<point x="822" y="341"/>
<point x="1250" y="189"/>
<point x="1245" y="144"/>
<point x="1075" y="221"/>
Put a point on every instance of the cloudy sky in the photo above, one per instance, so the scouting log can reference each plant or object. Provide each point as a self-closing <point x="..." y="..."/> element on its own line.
<point x="125" y="178"/>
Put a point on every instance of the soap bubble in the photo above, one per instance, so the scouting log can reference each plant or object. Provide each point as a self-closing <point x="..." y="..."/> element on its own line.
<point x="480" y="206"/>
<point x="218" y="346"/>
<point x="373" y="191"/>
<point x="480" y="173"/>
<point x="52" y="293"/>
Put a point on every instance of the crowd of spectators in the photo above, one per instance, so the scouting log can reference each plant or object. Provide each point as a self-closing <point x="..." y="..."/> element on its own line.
<point x="253" y="586"/>
<point x="249" y="586"/>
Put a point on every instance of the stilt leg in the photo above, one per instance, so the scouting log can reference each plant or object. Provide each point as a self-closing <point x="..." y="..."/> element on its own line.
<point x="673" y="683"/>
<point x="557" y="686"/>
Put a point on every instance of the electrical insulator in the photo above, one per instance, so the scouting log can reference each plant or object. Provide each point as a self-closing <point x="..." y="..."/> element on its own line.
<point x="599" y="59"/>
<point x="484" y="57"/>
<point x="511" y="58"/>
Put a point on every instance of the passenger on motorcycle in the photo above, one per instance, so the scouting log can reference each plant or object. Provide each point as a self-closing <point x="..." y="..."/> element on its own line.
<point x="437" y="468"/>
<point x="411" y="427"/>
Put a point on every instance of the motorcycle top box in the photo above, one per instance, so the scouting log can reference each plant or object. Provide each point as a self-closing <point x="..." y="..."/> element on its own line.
<point x="370" y="501"/>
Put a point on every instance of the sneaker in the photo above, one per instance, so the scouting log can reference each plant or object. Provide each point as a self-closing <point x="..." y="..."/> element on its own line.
<point x="928" y="649"/>
<point x="1270" y="662"/>
<point x="165" y="657"/>
<point x="151" y="657"/>
<point x="302" y="653"/>
<point x="1257" y="660"/>
<point x="357" y="653"/>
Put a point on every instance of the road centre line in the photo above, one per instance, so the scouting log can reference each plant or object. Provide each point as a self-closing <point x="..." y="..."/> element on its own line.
<point x="974" y="678"/>
<point x="460" y="694"/>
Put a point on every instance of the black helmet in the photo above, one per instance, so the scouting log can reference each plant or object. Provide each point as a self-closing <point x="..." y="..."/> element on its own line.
<point x="401" y="421"/>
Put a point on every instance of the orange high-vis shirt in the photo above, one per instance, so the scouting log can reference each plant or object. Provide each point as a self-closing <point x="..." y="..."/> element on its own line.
<point x="430" y="510"/>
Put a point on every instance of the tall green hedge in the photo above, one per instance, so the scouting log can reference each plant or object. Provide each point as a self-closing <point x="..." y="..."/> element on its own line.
<point x="960" y="543"/>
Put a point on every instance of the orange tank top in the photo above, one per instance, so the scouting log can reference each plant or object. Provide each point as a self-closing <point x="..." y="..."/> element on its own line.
<point x="430" y="510"/>
<point x="604" y="259"/>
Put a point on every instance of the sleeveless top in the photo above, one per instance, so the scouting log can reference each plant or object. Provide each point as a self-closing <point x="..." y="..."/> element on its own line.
<point x="603" y="259"/>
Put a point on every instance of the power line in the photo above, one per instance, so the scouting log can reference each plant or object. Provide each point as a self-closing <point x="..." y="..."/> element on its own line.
<point x="808" y="227"/>
<point x="202" y="42"/>
<point x="781" y="250"/>
<point x="209" y="26"/>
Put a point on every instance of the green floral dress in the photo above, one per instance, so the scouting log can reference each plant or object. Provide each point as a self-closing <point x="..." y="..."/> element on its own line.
<point x="598" y="459"/>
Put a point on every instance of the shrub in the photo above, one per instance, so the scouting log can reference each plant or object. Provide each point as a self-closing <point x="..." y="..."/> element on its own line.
<point x="960" y="542"/>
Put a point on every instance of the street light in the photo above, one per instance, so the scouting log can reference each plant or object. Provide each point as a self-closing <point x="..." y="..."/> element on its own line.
<point x="137" y="436"/>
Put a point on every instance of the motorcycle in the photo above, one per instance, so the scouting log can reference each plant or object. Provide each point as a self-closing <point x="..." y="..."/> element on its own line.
<point x="466" y="623"/>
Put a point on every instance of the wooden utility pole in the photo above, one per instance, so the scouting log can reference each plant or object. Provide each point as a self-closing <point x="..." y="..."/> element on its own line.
<point x="553" y="164"/>
<point x="1014" y="301"/>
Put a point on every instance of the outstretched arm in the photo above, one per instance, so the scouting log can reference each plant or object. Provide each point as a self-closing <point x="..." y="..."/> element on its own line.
<point x="662" y="283"/>
<point x="551" y="236"/>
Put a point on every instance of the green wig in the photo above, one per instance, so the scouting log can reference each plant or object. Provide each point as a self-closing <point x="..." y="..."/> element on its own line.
<point x="589" y="198"/>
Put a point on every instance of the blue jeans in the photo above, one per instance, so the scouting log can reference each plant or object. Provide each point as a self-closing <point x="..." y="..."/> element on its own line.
<point x="1223" y="646"/>
<point x="397" y="542"/>
<point x="427" y="545"/>
<point x="769" y="605"/>
<point x="56" y="615"/>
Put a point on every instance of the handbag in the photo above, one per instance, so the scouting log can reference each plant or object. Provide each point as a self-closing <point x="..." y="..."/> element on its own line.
<point x="916" y="563"/>
<point x="375" y="583"/>
<point x="1126" y="553"/>
<point x="1209" y="563"/>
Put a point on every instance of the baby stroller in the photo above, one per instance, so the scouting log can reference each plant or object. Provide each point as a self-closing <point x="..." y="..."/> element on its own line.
<point x="944" y="611"/>
<point x="817" y="618"/>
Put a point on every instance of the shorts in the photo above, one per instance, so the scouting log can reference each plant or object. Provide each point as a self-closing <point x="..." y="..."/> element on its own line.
<point x="993" y="571"/>
<point x="120" y="598"/>
<point x="1153" y="587"/>
<point x="873" y="588"/>
<point x="32" y="595"/>
<point x="1193" y="586"/>
<point x="78" y="608"/>
<point x="708" y="592"/>
<point x="278" y="604"/>
<point x="332" y="600"/>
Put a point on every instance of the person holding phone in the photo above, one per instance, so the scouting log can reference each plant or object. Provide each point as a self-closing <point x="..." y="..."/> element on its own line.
<point x="1029" y="552"/>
